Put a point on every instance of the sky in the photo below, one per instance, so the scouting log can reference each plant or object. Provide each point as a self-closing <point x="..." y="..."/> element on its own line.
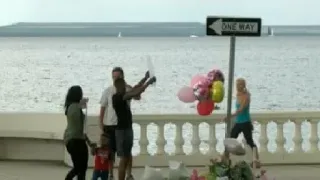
<point x="272" y="12"/>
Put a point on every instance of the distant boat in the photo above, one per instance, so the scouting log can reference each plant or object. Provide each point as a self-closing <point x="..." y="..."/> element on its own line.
<point x="119" y="35"/>
<point x="193" y="36"/>
<point x="270" y="31"/>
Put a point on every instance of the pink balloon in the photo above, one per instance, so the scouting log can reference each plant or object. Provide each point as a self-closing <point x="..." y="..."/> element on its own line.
<point x="186" y="94"/>
<point x="197" y="79"/>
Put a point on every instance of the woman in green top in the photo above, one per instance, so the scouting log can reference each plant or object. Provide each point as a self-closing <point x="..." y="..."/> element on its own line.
<point x="74" y="137"/>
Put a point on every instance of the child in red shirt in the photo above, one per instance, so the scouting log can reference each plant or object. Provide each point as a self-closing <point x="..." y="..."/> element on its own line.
<point x="102" y="159"/>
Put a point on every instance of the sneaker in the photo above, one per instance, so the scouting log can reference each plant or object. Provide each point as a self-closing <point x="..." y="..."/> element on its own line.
<point x="130" y="177"/>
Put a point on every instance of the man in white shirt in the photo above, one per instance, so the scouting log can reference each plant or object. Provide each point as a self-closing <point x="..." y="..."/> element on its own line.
<point x="108" y="119"/>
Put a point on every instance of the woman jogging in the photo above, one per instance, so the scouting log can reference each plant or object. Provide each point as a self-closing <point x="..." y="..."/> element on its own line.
<point x="243" y="123"/>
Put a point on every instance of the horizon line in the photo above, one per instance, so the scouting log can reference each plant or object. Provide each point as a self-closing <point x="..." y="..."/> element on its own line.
<point x="93" y="22"/>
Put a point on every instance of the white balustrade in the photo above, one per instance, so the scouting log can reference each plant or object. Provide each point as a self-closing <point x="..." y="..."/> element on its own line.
<point x="160" y="142"/>
<point x="204" y="130"/>
<point x="275" y="155"/>
<point x="195" y="138"/>
<point x="280" y="140"/>
<point x="179" y="141"/>
<point x="212" y="139"/>
<point x="314" y="138"/>
<point x="263" y="139"/>
<point x="143" y="141"/>
<point x="298" y="137"/>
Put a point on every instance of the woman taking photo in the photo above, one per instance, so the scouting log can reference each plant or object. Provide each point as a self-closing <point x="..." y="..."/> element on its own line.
<point x="243" y="123"/>
<point x="74" y="137"/>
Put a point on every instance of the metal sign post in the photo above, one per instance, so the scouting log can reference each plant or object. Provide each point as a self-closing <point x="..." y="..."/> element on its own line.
<point x="230" y="83"/>
<point x="229" y="26"/>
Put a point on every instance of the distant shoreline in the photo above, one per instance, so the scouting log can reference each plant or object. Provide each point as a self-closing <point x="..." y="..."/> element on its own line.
<point x="141" y="29"/>
<point x="104" y="23"/>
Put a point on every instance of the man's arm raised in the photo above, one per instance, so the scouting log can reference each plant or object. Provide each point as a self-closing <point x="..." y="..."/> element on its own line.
<point x="140" y="83"/>
<point x="143" y="80"/>
<point x="136" y="91"/>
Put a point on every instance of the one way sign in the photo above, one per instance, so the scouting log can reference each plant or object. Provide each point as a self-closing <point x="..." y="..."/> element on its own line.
<point x="228" y="26"/>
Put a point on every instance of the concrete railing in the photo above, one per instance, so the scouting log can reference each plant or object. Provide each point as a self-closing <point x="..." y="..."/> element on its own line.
<point x="31" y="136"/>
<point x="282" y="137"/>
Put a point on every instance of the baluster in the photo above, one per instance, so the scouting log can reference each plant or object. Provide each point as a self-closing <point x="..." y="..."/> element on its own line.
<point x="263" y="139"/>
<point x="143" y="142"/>
<point x="314" y="139"/>
<point x="161" y="141"/>
<point x="179" y="141"/>
<point x="297" y="137"/>
<point x="212" y="140"/>
<point x="280" y="140"/>
<point x="195" y="141"/>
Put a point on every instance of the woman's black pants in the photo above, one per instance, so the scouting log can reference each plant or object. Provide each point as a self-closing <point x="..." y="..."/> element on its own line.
<point x="245" y="128"/>
<point x="78" y="151"/>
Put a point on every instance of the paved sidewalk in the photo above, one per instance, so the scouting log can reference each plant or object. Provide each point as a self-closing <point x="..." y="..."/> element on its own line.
<point x="53" y="171"/>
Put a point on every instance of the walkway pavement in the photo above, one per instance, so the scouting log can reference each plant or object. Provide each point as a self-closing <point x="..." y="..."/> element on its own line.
<point x="53" y="171"/>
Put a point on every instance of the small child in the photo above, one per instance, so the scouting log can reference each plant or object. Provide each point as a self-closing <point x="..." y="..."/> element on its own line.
<point x="103" y="157"/>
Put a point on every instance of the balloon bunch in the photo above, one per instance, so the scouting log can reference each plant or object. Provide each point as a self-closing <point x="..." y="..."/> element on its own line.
<point x="208" y="90"/>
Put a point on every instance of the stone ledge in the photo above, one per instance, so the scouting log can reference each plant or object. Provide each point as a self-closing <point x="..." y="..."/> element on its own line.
<point x="30" y="134"/>
<point x="31" y="145"/>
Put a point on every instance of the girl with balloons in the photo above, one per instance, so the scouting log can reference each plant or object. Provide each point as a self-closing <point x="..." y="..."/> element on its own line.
<point x="207" y="90"/>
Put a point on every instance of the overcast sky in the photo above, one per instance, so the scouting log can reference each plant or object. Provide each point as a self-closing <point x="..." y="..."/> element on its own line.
<point x="298" y="12"/>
